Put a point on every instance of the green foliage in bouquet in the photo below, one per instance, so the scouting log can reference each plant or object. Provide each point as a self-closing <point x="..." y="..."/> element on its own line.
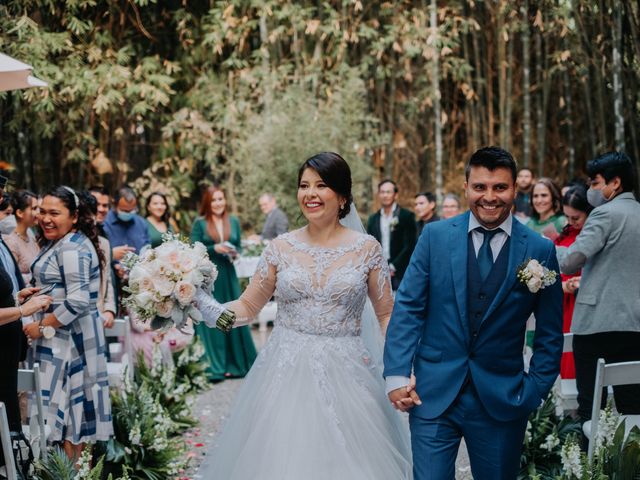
<point x="163" y="383"/>
<point x="144" y="438"/>
<point x="57" y="466"/>
<point x="191" y="370"/>
<point x="545" y="434"/>
<point x="616" y="456"/>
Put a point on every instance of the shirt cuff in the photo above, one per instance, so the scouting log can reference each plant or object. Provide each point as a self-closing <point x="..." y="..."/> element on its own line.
<point x="392" y="267"/>
<point x="394" y="382"/>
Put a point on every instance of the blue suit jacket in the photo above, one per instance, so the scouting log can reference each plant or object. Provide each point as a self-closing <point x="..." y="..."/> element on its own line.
<point x="429" y="333"/>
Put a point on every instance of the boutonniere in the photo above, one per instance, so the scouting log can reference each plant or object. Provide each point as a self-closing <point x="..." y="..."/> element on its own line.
<point x="535" y="276"/>
<point x="394" y="223"/>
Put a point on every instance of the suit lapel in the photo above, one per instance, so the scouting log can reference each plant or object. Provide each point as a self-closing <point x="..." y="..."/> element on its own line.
<point x="517" y="252"/>
<point x="375" y="230"/>
<point x="458" y="244"/>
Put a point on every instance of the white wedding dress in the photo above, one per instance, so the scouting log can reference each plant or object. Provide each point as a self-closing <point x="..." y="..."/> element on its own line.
<point x="313" y="406"/>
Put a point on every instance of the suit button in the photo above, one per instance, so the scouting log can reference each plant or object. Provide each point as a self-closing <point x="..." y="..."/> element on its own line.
<point x="474" y="334"/>
<point x="482" y="296"/>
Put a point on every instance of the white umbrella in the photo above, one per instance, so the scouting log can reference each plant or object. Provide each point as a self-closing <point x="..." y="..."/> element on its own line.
<point x="15" y="75"/>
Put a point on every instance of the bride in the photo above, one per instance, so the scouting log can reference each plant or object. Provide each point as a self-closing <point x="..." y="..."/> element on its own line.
<point x="313" y="406"/>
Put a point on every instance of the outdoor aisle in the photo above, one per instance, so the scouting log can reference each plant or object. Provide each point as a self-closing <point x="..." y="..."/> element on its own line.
<point x="213" y="405"/>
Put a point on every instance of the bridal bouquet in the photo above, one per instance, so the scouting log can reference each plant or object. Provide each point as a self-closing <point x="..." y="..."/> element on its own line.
<point x="163" y="282"/>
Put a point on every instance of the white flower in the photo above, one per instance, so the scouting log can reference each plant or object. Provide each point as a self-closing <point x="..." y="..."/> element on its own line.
<point x="163" y="286"/>
<point x="571" y="459"/>
<point x="187" y="261"/>
<point x="135" y="435"/>
<point x="527" y="433"/>
<point x="185" y="292"/>
<point x="606" y="427"/>
<point x="535" y="268"/>
<point x="534" y="284"/>
<point x="144" y="299"/>
<point x="551" y="442"/>
<point x="165" y="308"/>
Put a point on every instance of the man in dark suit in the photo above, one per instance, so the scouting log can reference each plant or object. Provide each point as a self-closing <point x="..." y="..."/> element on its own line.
<point x="395" y="229"/>
<point x="276" y="222"/>
<point x="458" y="324"/>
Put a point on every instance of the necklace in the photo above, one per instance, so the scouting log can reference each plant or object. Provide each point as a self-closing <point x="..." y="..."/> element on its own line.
<point x="24" y="237"/>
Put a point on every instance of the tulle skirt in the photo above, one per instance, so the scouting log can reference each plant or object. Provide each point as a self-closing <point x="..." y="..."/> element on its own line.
<point x="312" y="407"/>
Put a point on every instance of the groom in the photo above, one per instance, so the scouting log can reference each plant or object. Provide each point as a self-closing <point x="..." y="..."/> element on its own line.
<point x="459" y="324"/>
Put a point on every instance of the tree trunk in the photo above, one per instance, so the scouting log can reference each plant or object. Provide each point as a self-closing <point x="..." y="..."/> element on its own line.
<point x="526" y="85"/>
<point x="617" y="76"/>
<point x="437" y="109"/>
<point x="540" y="110"/>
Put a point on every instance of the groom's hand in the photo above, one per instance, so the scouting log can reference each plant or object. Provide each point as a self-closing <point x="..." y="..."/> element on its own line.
<point x="405" y="398"/>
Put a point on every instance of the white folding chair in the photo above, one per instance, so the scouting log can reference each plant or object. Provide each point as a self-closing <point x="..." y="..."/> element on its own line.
<point x="566" y="390"/>
<point x="613" y="374"/>
<point x="7" y="450"/>
<point x="36" y="432"/>
<point x="115" y="370"/>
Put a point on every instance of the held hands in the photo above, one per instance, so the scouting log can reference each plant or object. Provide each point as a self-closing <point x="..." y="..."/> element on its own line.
<point x="405" y="398"/>
<point x="35" y="303"/>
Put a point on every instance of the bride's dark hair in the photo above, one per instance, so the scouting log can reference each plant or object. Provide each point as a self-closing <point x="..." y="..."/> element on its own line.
<point x="335" y="172"/>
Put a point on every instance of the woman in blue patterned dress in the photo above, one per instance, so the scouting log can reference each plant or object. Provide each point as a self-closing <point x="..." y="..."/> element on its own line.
<point x="68" y="339"/>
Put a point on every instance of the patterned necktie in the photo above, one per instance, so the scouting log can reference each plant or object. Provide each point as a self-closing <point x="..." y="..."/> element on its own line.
<point x="485" y="255"/>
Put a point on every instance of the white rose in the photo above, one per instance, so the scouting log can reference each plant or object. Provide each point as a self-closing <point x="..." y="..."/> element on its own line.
<point x="535" y="268"/>
<point x="194" y="277"/>
<point x="200" y="250"/>
<point x="187" y="262"/>
<point x="163" y="286"/>
<point x="144" y="299"/>
<point x="184" y="292"/>
<point x="534" y="284"/>
<point x="138" y="272"/>
<point x="165" y="308"/>
<point x="169" y="252"/>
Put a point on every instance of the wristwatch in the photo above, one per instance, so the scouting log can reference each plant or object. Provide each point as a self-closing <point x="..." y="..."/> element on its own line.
<point x="47" y="332"/>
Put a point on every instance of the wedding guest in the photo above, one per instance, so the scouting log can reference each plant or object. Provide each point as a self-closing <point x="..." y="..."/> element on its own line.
<point x="276" y="222"/>
<point x="395" y="229"/>
<point x="101" y="195"/>
<point x="546" y="214"/>
<point x="158" y="217"/>
<point x="232" y="354"/>
<point x="12" y="309"/>
<point x="7" y="219"/>
<point x="68" y="339"/>
<point x="450" y="206"/>
<point x="425" y="208"/>
<point x="524" y="187"/>
<point x="576" y="209"/>
<point x="126" y="232"/>
<point x="22" y="242"/>
<point x="606" y="319"/>
<point x="106" y="296"/>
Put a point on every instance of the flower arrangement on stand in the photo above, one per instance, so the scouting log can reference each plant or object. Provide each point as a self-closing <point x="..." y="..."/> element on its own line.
<point x="162" y="380"/>
<point x="616" y="455"/>
<point x="190" y="369"/>
<point x="545" y="434"/>
<point x="144" y="439"/>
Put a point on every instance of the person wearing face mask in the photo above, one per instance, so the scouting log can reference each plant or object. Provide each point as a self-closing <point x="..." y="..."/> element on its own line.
<point x="125" y="229"/>
<point x="606" y="318"/>
<point x="7" y="219"/>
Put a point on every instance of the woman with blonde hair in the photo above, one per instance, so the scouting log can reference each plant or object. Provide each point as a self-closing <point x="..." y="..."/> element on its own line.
<point x="231" y="354"/>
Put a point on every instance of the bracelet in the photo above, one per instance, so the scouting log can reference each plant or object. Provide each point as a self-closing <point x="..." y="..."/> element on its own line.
<point x="20" y="310"/>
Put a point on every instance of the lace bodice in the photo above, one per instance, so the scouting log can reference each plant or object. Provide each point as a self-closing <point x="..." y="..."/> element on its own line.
<point x="319" y="290"/>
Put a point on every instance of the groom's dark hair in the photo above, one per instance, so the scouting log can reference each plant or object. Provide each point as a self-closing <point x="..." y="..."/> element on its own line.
<point x="492" y="158"/>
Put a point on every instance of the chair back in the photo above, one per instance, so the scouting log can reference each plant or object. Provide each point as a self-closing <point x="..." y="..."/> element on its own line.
<point x="624" y="373"/>
<point x="7" y="449"/>
<point x="29" y="381"/>
<point x="121" y="328"/>
<point x="568" y="343"/>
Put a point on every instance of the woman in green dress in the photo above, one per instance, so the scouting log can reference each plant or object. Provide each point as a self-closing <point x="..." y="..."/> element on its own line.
<point x="229" y="354"/>
<point x="546" y="217"/>
<point x="158" y="217"/>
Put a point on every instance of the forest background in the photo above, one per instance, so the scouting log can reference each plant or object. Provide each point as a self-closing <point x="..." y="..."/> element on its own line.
<point x="172" y="95"/>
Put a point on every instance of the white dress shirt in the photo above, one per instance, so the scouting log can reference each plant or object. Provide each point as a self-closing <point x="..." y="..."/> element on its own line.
<point x="394" y="382"/>
<point x="385" y="231"/>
